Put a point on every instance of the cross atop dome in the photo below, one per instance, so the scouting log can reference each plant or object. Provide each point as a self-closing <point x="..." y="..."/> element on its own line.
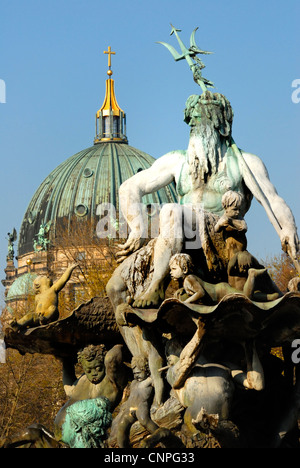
<point x="110" y="53"/>
<point x="110" y="118"/>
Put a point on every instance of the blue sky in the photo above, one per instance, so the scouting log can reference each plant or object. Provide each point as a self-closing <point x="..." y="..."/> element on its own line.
<point x="54" y="69"/>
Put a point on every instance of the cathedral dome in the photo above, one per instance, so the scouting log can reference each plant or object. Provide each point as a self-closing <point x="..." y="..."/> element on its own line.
<point x="77" y="186"/>
<point x="22" y="287"/>
<point x="74" y="190"/>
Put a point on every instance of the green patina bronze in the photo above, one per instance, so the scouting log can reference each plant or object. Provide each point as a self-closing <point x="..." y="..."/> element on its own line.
<point x="86" y="423"/>
<point x="196" y="65"/>
<point x="190" y="55"/>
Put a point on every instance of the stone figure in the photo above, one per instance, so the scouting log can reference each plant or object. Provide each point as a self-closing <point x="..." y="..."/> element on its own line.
<point x="137" y="407"/>
<point x="82" y="422"/>
<point x="215" y="184"/>
<point x="129" y="279"/>
<point x="200" y="291"/>
<point x="203" y="173"/>
<point x="143" y="342"/>
<point x="232" y="224"/>
<point x="85" y="426"/>
<point x="42" y="241"/>
<point x="105" y="376"/>
<point x="12" y="237"/>
<point x="240" y="261"/>
<point x="46" y="301"/>
<point x="86" y="423"/>
<point x="239" y="266"/>
<point x="204" y="382"/>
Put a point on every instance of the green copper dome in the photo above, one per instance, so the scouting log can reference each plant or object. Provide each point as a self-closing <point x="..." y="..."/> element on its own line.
<point x="21" y="287"/>
<point x="77" y="186"/>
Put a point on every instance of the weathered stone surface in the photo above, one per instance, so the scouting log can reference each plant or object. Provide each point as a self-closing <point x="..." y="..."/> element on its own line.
<point x="92" y="322"/>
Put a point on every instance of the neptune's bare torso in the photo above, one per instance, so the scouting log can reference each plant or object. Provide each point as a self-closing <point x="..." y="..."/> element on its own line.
<point x="209" y="194"/>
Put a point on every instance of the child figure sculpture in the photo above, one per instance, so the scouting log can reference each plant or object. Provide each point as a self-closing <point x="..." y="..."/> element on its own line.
<point x="46" y="301"/>
<point x="207" y="293"/>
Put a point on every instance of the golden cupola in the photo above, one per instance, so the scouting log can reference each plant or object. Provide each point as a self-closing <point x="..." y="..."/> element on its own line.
<point x="110" y="119"/>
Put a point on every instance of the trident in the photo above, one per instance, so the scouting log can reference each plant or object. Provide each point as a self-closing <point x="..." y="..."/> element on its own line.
<point x="190" y="55"/>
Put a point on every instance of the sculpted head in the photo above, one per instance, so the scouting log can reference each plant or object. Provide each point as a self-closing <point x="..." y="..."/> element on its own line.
<point x="232" y="203"/>
<point x="86" y="423"/>
<point x="211" y="109"/>
<point x="180" y="265"/>
<point x="41" y="283"/>
<point x="210" y="117"/>
<point x="140" y="368"/>
<point x="92" y="360"/>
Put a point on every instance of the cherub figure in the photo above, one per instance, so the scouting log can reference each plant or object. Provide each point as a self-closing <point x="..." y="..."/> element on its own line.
<point x="232" y="224"/>
<point x="203" y="383"/>
<point x="238" y="268"/>
<point x="83" y="420"/>
<point x="137" y="407"/>
<point x="105" y="376"/>
<point x="46" y="301"/>
<point x="207" y="293"/>
<point x="240" y="261"/>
